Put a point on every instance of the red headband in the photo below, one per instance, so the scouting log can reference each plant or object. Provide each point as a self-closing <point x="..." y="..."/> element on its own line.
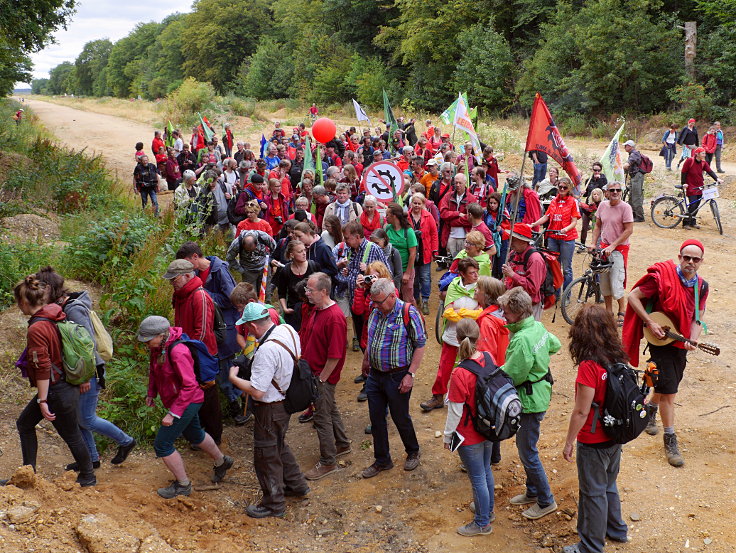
<point x="692" y="242"/>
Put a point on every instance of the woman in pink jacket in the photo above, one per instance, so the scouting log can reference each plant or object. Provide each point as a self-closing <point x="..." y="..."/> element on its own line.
<point x="426" y="230"/>
<point x="171" y="377"/>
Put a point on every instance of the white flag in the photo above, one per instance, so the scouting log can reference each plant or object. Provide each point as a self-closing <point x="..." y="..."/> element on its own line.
<point x="360" y="114"/>
<point x="462" y="121"/>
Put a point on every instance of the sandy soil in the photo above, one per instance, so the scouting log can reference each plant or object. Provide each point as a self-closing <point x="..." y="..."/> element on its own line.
<point x="668" y="510"/>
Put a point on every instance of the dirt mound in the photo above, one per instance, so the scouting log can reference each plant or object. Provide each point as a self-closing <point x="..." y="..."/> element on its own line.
<point x="30" y="227"/>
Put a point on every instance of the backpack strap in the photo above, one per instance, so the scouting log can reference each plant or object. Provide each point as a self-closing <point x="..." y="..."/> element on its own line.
<point x="292" y="353"/>
<point x="355" y="209"/>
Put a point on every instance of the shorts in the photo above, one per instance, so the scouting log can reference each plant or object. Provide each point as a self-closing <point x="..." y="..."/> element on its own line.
<point x="187" y="425"/>
<point x="612" y="282"/>
<point x="671" y="363"/>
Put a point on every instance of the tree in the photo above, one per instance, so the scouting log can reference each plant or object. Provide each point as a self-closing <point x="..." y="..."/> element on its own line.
<point x="14" y="67"/>
<point x="61" y="78"/>
<point x="39" y="86"/>
<point x="128" y="58"/>
<point x="90" y="64"/>
<point x="28" y="25"/>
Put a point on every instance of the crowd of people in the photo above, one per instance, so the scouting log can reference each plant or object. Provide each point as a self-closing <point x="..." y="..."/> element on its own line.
<point x="315" y="245"/>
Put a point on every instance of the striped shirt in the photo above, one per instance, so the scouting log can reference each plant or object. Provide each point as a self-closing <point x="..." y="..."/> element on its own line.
<point x="390" y="344"/>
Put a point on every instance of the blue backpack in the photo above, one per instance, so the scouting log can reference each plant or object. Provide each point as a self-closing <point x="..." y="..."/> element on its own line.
<point x="206" y="365"/>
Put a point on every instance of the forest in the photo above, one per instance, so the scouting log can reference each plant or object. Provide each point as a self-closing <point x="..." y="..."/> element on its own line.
<point x="589" y="58"/>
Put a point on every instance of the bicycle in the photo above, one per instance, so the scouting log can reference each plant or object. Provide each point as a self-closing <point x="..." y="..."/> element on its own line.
<point x="586" y="288"/>
<point x="667" y="211"/>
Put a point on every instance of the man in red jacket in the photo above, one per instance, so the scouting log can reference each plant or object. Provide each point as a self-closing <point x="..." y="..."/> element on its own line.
<point x="194" y="313"/>
<point x="526" y="267"/>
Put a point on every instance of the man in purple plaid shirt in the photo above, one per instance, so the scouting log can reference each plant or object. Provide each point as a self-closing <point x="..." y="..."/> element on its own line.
<point x="396" y="340"/>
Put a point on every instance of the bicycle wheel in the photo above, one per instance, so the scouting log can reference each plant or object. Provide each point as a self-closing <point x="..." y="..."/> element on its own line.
<point x="716" y="215"/>
<point x="579" y="292"/>
<point x="438" y="321"/>
<point x="667" y="212"/>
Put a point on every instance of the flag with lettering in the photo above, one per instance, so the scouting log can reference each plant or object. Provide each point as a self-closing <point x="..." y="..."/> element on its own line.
<point x="462" y="122"/>
<point x="308" y="161"/>
<point x="204" y="125"/>
<point x="544" y="137"/>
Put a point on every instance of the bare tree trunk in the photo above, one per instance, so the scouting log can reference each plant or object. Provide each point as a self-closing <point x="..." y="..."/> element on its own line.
<point x="691" y="39"/>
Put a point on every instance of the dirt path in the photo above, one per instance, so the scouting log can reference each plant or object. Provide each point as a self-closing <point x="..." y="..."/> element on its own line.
<point x="668" y="510"/>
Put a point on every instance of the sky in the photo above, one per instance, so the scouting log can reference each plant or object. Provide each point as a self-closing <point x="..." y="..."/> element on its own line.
<point x="95" y="19"/>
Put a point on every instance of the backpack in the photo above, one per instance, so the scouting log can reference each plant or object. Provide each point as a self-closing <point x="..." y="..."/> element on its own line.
<point x="232" y="217"/>
<point x="77" y="352"/>
<point x="623" y="416"/>
<point x="302" y="391"/>
<point x="497" y="404"/>
<point x="104" y="340"/>
<point x="553" y="278"/>
<point x="219" y="325"/>
<point x="206" y="365"/>
<point x="646" y="164"/>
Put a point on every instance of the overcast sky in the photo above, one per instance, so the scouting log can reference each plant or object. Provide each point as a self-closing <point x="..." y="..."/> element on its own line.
<point x="96" y="19"/>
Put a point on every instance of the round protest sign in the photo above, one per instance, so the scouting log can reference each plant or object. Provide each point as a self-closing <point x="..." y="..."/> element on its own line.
<point x="384" y="180"/>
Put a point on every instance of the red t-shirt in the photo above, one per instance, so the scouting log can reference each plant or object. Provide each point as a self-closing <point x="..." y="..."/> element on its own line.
<point x="462" y="390"/>
<point x="561" y="211"/>
<point x="592" y="375"/>
<point x="246" y="224"/>
<point x="327" y="340"/>
<point x="486" y="232"/>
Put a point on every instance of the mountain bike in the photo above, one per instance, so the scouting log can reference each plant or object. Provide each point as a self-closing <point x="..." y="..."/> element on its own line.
<point x="585" y="289"/>
<point x="668" y="211"/>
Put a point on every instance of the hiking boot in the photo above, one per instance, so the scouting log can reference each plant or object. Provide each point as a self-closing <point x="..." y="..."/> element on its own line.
<point x="356" y="344"/>
<point x="75" y="466"/>
<point x="240" y="419"/>
<point x="174" y="489"/>
<point x="535" y="511"/>
<point x="651" y="428"/>
<point x="359" y="379"/>
<point x="122" y="454"/>
<point x="219" y="474"/>
<point x="345" y="450"/>
<point x="259" y="511"/>
<point x="412" y="461"/>
<point x="375" y="468"/>
<point x="571" y="549"/>
<point x="437" y="402"/>
<point x="320" y="471"/>
<point x="363" y="395"/>
<point x="86" y="481"/>
<point x="673" y="453"/>
<point x="307" y="415"/>
<point x="472" y="529"/>
<point x="425" y="307"/>
<point x="522" y="499"/>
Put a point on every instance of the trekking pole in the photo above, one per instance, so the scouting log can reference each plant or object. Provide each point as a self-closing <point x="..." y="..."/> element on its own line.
<point x="520" y="190"/>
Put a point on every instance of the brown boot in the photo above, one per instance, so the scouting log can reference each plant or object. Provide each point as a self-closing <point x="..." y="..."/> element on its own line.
<point x="651" y="428"/>
<point x="673" y="453"/>
<point x="437" y="402"/>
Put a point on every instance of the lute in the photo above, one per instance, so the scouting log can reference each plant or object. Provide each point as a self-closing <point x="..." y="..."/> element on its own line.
<point x="667" y="325"/>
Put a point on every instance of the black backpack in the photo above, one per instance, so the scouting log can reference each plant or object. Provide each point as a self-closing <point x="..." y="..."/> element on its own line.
<point x="302" y="391"/>
<point x="232" y="217"/>
<point x="623" y="416"/>
<point x="497" y="404"/>
<point x="219" y="326"/>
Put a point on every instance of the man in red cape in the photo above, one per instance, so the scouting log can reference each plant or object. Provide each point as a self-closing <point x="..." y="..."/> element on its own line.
<point x="678" y="292"/>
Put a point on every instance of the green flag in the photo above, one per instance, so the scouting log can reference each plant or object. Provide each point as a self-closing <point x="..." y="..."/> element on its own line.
<point x="388" y="114"/>
<point x="170" y="135"/>
<point x="308" y="161"/>
<point x="613" y="167"/>
<point x="318" y="162"/>
<point x="448" y="116"/>
<point x="208" y="134"/>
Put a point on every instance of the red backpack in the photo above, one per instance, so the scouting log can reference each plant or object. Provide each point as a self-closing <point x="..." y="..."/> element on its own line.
<point x="646" y="164"/>
<point x="554" y="277"/>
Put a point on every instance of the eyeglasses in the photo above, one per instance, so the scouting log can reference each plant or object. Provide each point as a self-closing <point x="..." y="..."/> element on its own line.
<point x="689" y="258"/>
<point x="614" y="190"/>
<point x="381" y="302"/>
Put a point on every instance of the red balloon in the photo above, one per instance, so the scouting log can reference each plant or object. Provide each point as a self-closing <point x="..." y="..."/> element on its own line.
<point x="324" y="130"/>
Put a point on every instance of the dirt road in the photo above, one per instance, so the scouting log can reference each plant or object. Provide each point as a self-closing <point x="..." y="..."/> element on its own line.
<point x="668" y="510"/>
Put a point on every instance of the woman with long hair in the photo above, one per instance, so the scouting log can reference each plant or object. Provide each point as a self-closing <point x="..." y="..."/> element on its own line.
<point x="57" y="401"/>
<point x="331" y="230"/>
<point x="297" y="269"/>
<point x="425" y="228"/>
<point x="475" y="450"/>
<point x="594" y="345"/>
<point x="402" y="237"/>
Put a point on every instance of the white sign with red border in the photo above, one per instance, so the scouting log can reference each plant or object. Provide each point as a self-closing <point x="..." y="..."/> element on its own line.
<point x="384" y="180"/>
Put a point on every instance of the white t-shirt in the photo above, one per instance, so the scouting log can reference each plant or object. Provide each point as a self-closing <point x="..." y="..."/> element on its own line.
<point x="178" y="145"/>
<point x="272" y="362"/>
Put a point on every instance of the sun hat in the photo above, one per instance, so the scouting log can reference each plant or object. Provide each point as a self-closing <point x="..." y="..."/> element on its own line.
<point x="522" y="231"/>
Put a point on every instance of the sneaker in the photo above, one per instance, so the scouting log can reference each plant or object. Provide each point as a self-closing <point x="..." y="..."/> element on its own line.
<point x="522" y="499"/>
<point x="535" y="511"/>
<point x="307" y="415"/>
<point x="359" y="379"/>
<point x="219" y="472"/>
<point x="436" y="402"/>
<point x="320" y="471"/>
<point x="374" y="469"/>
<point x="356" y="344"/>
<point x="174" y="489"/>
<point x="472" y="529"/>
<point x="345" y="450"/>
<point x="412" y="462"/>
<point x="259" y="511"/>
<point x="425" y="307"/>
<point x="123" y="452"/>
<point x="674" y="457"/>
<point x="696" y="226"/>
<point x="363" y="395"/>
<point x="75" y="466"/>
<point x="240" y="419"/>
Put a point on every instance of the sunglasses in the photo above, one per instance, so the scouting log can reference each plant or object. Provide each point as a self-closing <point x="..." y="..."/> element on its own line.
<point x="689" y="258"/>
<point x="596" y="170"/>
<point x="563" y="188"/>
<point x="614" y="190"/>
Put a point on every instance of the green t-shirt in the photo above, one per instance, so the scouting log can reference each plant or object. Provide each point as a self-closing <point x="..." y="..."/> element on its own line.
<point x="402" y="240"/>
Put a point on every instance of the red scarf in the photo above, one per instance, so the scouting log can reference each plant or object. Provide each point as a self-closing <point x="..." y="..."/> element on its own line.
<point x="181" y="295"/>
<point x="672" y="298"/>
<point x="370" y="225"/>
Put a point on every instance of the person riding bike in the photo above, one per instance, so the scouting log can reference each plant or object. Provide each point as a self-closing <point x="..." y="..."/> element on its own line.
<point x="691" y="178"/>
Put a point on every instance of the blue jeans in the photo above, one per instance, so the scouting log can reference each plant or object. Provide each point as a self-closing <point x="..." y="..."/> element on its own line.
<point x="223" y="380"/>
<point x="147" y="192"/>
<point x="526" y="443"/>
<point x="383" y="391"/>
<point x="423" y="281"/>
<point x="540" y="172"/>
<point x="89" y="422"/>
<point x="187" y="425"/>
<point x="566" y="248"/>
<point x="477" y="459"/>
<point x="669" y="155"/>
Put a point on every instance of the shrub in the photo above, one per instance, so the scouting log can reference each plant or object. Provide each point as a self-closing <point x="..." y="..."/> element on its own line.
<point x="191" y="97"/>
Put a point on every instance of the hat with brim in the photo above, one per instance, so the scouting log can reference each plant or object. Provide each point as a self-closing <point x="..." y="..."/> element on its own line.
<point x="522" y="231"/>
<point x="431" y="162"/>
<point x="151" y="327"/>
<point x="178" y="268"/>
<point x="630" y="143"/>
<point x="253" y="312"/>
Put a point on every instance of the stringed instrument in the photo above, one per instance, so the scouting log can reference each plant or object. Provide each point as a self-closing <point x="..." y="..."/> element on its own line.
<point x="667" y="325"/>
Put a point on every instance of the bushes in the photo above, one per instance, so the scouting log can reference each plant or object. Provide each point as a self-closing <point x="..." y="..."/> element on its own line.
<point x="191" y="97"/>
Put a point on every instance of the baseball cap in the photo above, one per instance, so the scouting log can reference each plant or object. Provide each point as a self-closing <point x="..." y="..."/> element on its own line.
<point x="178" y="268"/>
<point x="630" y="143"/>
<point x="253" y="311"/>
<point x="151" y="327"/>
<point x="691" y="120"/>
<point x="256" y="178"/>
<point x="431" y="162"/>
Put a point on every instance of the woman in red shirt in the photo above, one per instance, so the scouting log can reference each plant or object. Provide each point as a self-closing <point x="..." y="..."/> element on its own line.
<point x="594" y="345"/>
<point x="562" y="215"/>
<point x="475" y="450"/>
<point x="370" y="219"/>
<point x="253" y="221"/>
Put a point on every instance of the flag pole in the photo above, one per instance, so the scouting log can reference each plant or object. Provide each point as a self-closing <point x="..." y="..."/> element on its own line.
<point x="520" y="191"/>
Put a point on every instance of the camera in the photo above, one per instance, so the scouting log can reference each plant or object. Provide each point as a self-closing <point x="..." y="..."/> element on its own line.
<point x="279" y="220"/>
<point x="244" y="366"/>
<point x="369" y="279"/>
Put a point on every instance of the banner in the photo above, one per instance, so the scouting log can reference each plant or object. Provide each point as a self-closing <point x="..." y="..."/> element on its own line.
<point x="208" y="134"/>
<point x="360" y="114"/>
<point x="544" y="137"/>
<point x="264" y="144"/>
<point x="169" y="135"/>
<point x="308" y="161"/>
<point x="462" y="121"/>
<point x="613" y="167"/>
<point x="448" y="116"/>
<point x="388" y="115"/>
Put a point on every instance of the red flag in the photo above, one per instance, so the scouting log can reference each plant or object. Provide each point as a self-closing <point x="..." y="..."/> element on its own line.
<point x="544" y="137"/>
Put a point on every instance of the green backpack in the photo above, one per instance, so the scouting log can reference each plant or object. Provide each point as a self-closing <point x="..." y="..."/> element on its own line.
<point x="77" y="352"/>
